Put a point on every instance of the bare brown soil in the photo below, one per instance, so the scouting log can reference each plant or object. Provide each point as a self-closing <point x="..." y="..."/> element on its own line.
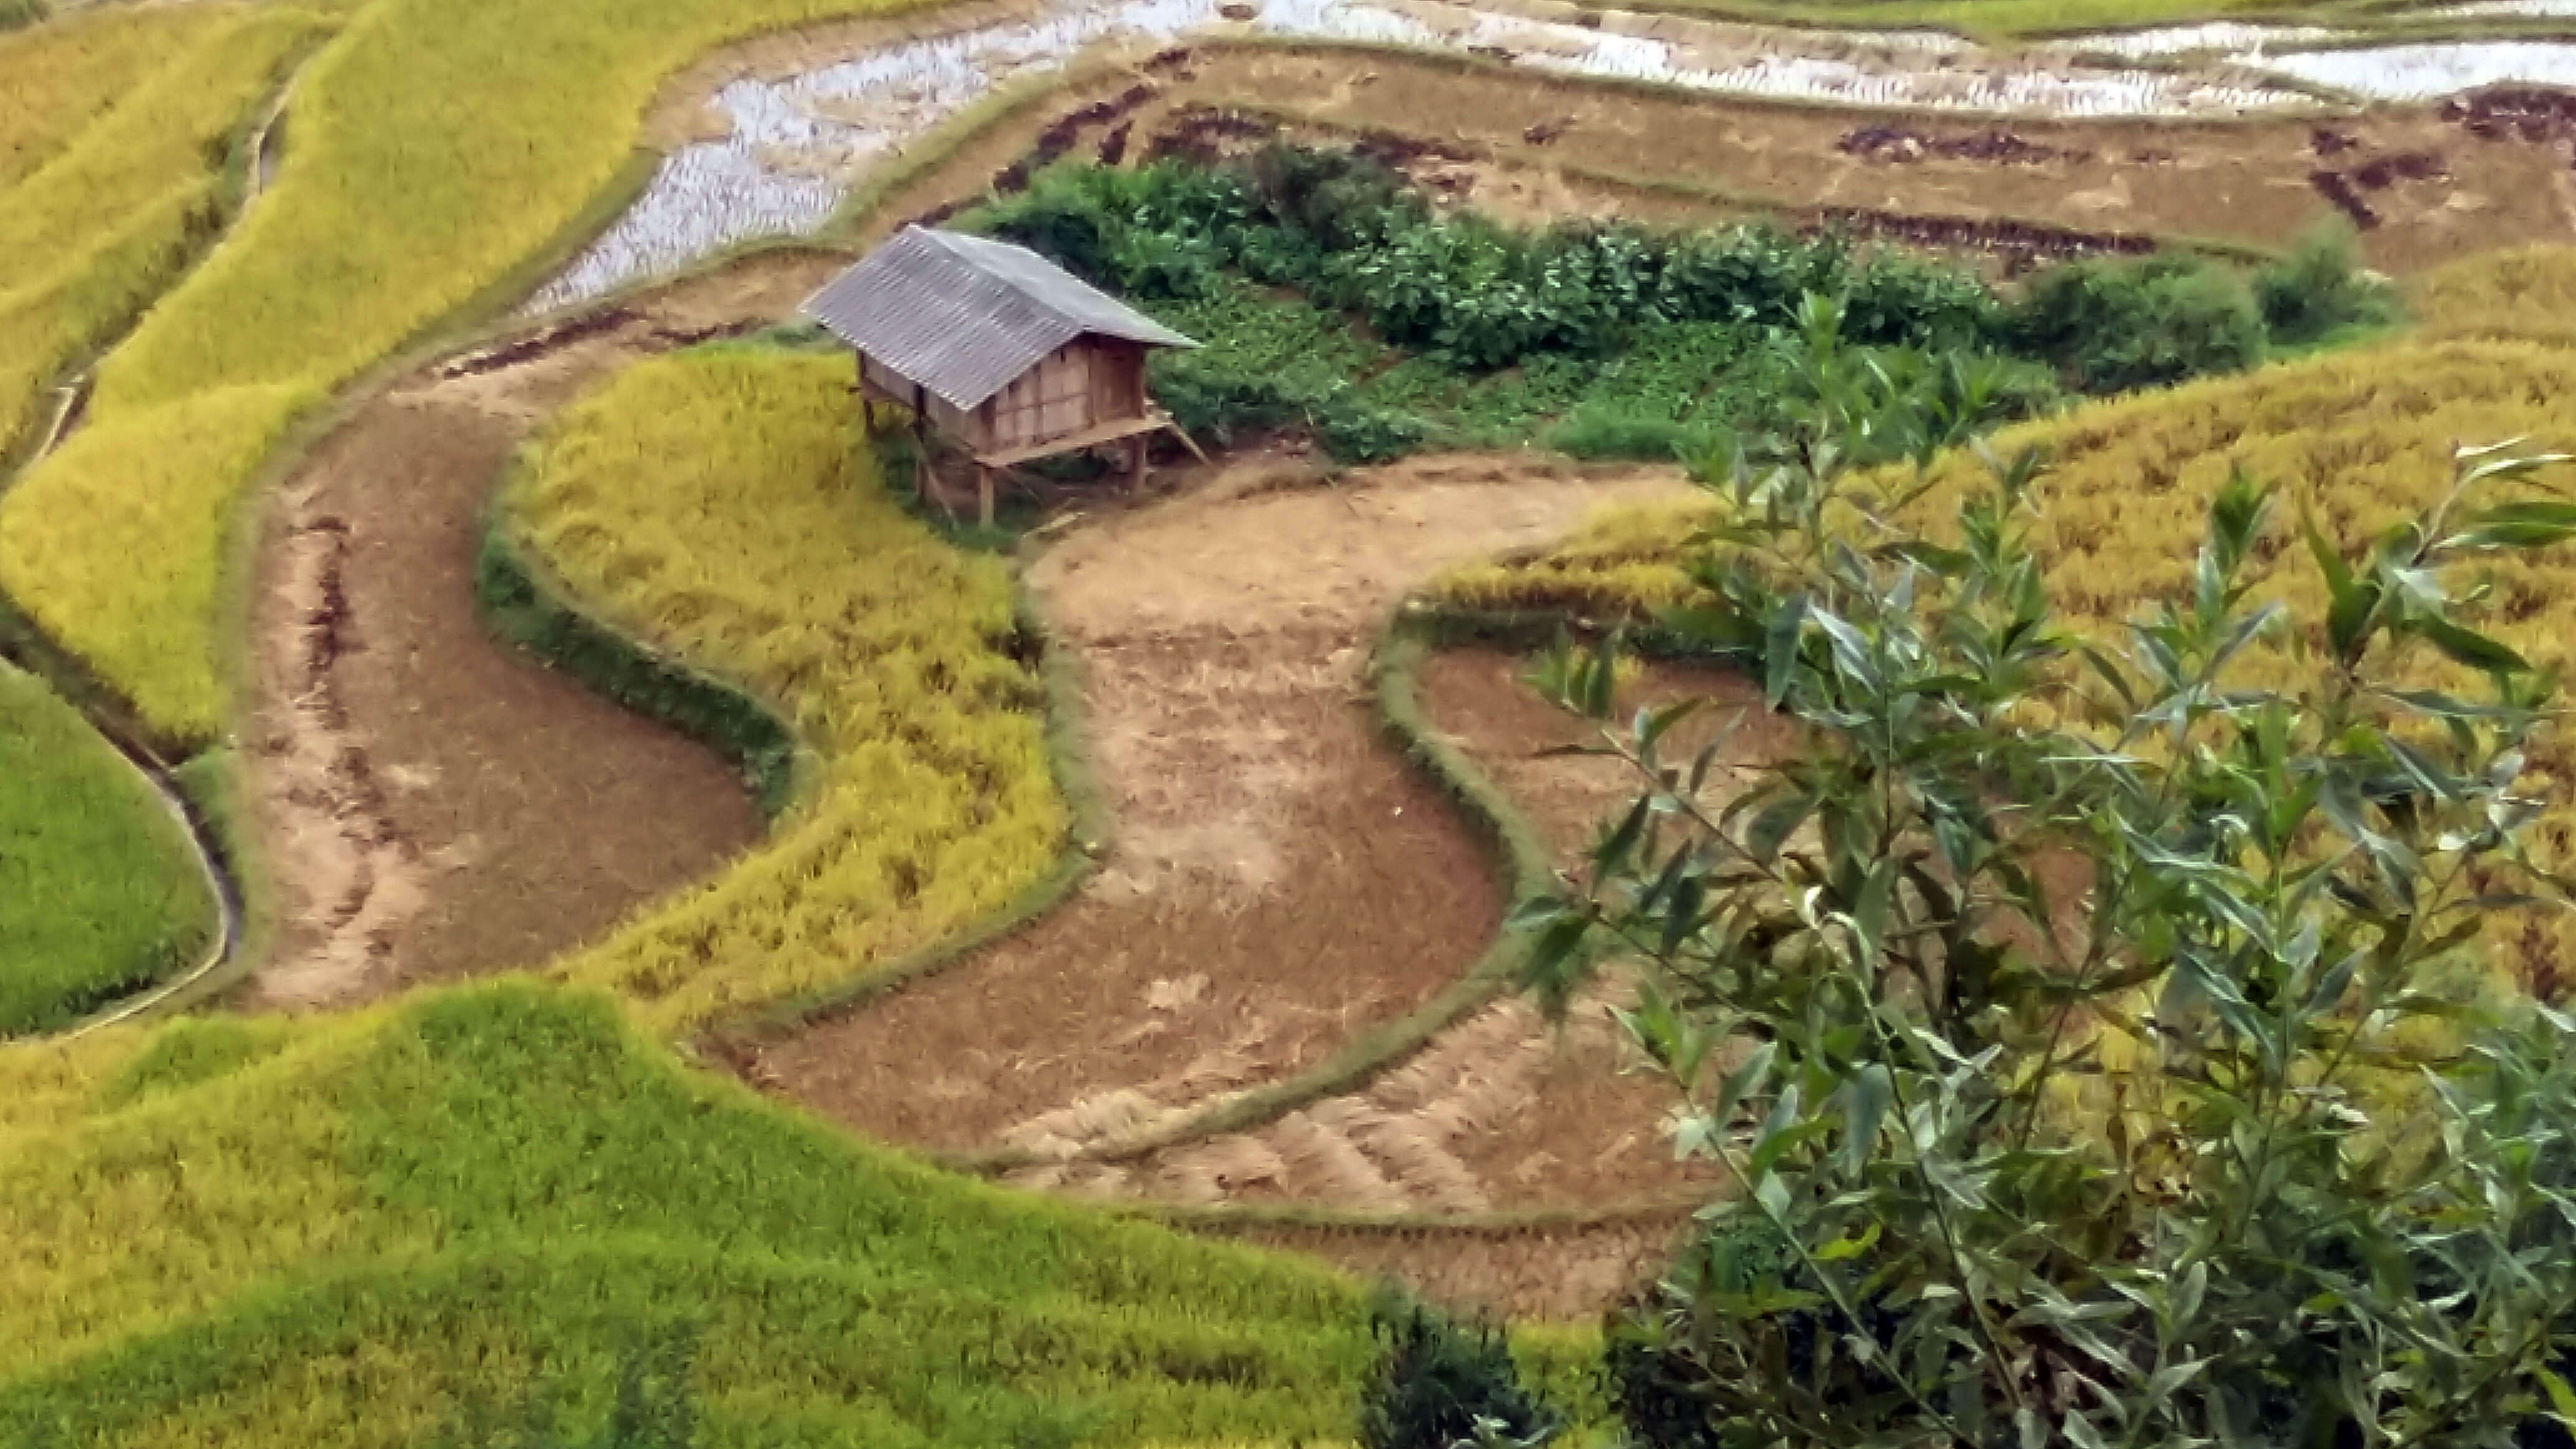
<point x="434" y="804"/>
<point x="1506" y="1110"/>
<point x="1278" y="879"/>
<point x="1531" y="147"/>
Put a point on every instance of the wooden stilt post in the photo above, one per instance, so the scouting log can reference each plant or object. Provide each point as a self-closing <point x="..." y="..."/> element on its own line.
<point x="1136" y="465"/>
<point x="984" y="494"/>
<point x="920" y="445"/>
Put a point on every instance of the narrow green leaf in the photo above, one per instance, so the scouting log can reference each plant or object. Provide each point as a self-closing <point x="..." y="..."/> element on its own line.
<point x="1747" y="1078"/>
<point x="2469" y="647"/>
<point x="1865" y="1097"/>
<point x="1780" y="648"/>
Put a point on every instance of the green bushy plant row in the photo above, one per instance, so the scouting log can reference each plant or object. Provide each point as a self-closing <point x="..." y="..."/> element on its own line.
<point x="1334" y="297"/>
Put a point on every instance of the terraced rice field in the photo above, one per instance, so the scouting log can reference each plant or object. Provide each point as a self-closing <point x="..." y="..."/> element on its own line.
<point x="1138" y="866"/>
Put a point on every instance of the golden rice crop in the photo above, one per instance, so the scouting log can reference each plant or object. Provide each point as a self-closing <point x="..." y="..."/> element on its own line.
<point x="714" y="504"/>
<point x="433" y="148"/>
<point x="84" y="541"/>
<point x="2524" y="292"/>
<point x="159" y="140"/>
<point x="65" y="312"/>
<point x="108" y="220"/>
<point x="88" y="240"/>
<point x="58" y="78"/>
<point x="347" y="1235"/>
<point x="2365" y="438"/>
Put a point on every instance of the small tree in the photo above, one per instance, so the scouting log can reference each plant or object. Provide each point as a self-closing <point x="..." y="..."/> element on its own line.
<point x="2070" y="1019"/>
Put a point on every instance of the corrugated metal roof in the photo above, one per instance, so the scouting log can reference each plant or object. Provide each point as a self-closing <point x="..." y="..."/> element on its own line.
<point x="964" y="315"/>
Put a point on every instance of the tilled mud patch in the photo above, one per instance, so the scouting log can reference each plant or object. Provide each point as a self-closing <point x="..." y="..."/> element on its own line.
<point x="1506" y="1110"/>
<point x="1279" y="880"/>
<point x="2035" y="189"/>
<point x="433" y="803"/>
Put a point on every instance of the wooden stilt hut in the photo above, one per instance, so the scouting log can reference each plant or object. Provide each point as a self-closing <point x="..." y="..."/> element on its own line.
<point x="1000" y="350"/>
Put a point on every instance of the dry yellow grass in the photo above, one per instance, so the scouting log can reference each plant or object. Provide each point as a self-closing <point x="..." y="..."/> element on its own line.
<point x="714" y="504"/>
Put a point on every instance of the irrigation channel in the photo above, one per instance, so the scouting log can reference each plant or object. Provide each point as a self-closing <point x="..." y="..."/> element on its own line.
<point x="779" y="154"/>
<point x="259" y="155"/>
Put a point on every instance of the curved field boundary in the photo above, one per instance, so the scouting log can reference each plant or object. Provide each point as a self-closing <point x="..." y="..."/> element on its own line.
<point x="1522" y="863"/>
<point x="1537" y="69"/>
<point x="99" y="706"/>
<point x="1236" y="1216"/>
<point x="868" y="210"/>
<point x="206" y="846"/>
<point x="524" y="604"/>
<point x="1069" y="762"/>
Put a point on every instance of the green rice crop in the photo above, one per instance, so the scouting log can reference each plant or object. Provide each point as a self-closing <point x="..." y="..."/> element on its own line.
<point x="99" y="892"/>
<point x="716" y="503"/>
<point x="348" y="1232"/>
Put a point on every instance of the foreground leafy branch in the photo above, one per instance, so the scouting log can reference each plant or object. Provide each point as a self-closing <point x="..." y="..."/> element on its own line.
<point x="2090" y="1032"/>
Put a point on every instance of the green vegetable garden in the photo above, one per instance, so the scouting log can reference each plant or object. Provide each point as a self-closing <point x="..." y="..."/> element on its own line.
<point x="1331" y="296"/>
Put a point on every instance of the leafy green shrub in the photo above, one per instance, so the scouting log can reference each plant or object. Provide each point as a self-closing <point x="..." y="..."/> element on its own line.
<point x="1354" y="431"/>
<point x="1333" y="201"/>
<point x="2319" y="289"/>
<point x="1752" y="275"/>
<point x="1631" y="342"/>
<point x="2112" y="326"/>
<point x="1440" y="1385"/>
<point x="1895" y="300"/>
<point x="2083" y="1024"/>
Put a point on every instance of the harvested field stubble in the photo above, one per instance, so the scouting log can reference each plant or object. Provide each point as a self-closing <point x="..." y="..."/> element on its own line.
<point x="712" y="503"/>
<point x="1505" y="1110"/>
<point x="1279" y="888"/>
<point x="434" y="801"/>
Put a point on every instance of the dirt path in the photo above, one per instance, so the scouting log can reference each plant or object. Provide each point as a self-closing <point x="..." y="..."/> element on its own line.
<point x="430" y="802"/>
<point x="1278" y="881"/>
